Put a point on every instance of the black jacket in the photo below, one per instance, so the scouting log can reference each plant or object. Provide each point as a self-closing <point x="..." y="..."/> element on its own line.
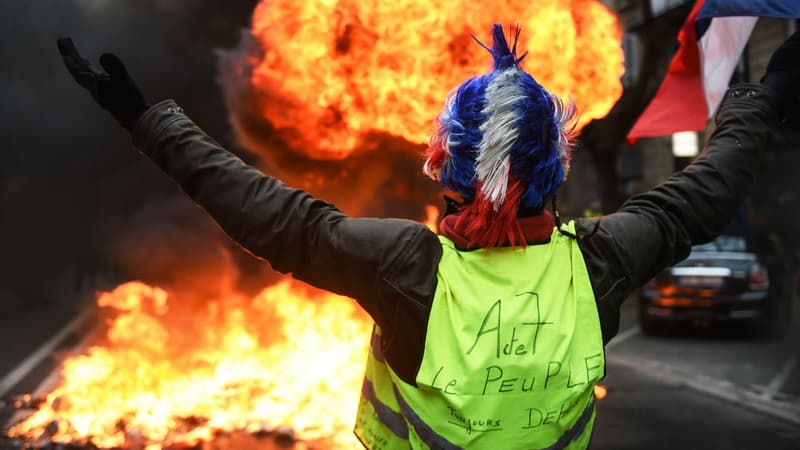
<point x="389" y="265"/>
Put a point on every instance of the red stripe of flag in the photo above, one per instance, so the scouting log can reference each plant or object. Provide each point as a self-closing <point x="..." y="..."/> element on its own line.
<point x="679" y="103"/>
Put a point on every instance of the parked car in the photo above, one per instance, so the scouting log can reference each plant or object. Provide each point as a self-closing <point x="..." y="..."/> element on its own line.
<point x="726" y="280"/>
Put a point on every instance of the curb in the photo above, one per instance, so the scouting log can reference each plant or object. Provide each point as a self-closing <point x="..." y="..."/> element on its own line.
<point x="44" y="351"/>
<point x="741" y="395"/>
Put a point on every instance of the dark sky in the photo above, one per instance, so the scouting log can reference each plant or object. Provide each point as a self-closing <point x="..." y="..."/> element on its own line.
<point x="72" y="190"/>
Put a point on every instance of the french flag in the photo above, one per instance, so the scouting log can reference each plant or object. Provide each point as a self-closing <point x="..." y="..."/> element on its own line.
<point x="712" y="40"/>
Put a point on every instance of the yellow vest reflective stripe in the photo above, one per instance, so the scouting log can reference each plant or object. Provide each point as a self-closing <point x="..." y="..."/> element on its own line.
<point x="435" y="441"/>
<point x="580" y="434"/>
<point x="379" y="422"/>
<point x="387" y="415"/>
<point x="379" y="426"/>
<point x="513" y="349"/>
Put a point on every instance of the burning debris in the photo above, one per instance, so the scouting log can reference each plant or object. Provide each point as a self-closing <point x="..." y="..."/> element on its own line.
<point x="26" y="401"/>
<point x="234" y="440"/>
<point x="287" y="359"/>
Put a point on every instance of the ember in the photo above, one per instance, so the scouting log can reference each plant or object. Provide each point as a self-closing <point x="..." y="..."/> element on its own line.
<point x="600" y="391"/>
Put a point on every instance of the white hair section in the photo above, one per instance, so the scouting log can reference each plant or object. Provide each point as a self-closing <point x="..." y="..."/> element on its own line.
<point x="430" y="173"/>
<point x="566" y="118"/>
<point x="500" y="132"/>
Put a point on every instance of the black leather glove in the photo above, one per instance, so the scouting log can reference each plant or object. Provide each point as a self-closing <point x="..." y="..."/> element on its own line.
<point x="783" y="73"/>
<point x="113" y="89"/>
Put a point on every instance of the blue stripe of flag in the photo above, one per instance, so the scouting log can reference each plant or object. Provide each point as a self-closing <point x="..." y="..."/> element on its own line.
<point x="781" y="9"/>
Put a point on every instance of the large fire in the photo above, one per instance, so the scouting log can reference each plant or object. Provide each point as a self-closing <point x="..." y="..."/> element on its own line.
<point x="331" y="74"/>
<point x="334" y="72"/>
<point x="291" y="358"/>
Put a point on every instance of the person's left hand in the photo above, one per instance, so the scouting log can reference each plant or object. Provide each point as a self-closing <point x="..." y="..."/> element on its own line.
<point x="113" y="89"/>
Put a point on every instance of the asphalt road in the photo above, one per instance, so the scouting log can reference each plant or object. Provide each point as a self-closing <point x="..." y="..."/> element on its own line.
<point x="690" y="389"/>
<point x="732" y="362"/>
<point x="642" y="412"/>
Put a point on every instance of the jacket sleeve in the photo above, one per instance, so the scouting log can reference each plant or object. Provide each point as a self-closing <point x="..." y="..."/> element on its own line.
<point x="287" y="227"/>
<point x="656" y="229"/>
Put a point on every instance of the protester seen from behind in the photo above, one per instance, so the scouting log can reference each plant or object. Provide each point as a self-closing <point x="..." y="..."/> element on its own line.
<point x="491" y="334"/>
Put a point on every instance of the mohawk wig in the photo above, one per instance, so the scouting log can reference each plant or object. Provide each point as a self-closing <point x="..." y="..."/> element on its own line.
<point x="502" y="142"/>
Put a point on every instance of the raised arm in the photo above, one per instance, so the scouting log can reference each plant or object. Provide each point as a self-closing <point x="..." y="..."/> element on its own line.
<point x="296" y="233"/>
<point x="656" y="229"/>
<point x="293" y="231"/>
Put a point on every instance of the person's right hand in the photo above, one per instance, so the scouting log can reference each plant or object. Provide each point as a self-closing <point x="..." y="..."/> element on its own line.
<point x="113" y="89"/>
<point x="783" y="73"/>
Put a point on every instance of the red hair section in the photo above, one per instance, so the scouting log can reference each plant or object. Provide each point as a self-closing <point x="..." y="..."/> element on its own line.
<point x="436" y="154"/>
<point x="485" y="227"/>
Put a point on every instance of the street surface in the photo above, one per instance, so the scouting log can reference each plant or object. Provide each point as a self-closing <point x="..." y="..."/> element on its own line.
<point x="711" y="387"/>
<point x="733" y="362"/>
<point x="641" y="412"/>
<point x="688" y="389"/>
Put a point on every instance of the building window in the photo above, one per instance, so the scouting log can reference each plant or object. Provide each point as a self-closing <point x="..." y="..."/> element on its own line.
<point x="630" y="51"/>
<point x="659" y="7"/>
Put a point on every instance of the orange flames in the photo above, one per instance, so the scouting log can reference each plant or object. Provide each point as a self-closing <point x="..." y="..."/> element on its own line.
<point x="334" y="72"/>
<point x="290" y="358"/>
<point x="431" y="218"/>
<point x="600" y="391"/>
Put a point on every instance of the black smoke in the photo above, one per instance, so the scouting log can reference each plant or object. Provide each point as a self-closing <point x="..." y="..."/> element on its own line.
<point x="73" y="192"/>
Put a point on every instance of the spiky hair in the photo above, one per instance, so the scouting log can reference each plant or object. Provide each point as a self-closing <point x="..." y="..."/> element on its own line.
<point x="502" y="142"/>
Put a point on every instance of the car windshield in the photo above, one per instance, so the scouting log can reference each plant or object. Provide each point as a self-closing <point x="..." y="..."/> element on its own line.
<point x="723" y="244"/>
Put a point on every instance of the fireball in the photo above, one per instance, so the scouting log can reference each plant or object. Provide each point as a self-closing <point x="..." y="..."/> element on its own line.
<point x="332" y="73"/>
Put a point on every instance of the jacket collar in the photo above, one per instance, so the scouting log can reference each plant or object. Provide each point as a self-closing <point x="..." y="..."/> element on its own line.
<point x="536" y="229"/>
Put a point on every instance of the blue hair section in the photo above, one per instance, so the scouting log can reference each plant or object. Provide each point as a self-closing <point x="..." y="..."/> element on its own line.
<point x="462" y="124"/>
<point x="504" y="57"/>
<point x="534" y="157"/>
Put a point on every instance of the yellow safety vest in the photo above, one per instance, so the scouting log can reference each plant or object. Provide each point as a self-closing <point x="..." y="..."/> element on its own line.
<point x="512" y="352"/>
